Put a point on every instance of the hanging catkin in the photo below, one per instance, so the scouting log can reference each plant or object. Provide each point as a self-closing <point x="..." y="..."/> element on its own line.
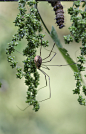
<point x="58" y="8"/>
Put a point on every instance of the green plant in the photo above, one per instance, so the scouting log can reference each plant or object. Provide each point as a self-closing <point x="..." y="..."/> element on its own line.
<point x="78" y="33"/>
<point x="29" y="26"/>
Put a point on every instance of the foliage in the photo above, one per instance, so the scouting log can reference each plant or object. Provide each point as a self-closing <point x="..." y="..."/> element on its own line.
<point x="78" y="33"/>
<point x="29" y="26"/>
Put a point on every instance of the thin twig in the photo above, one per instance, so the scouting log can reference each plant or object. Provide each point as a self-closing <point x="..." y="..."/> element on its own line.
<point x="42" y="20"/>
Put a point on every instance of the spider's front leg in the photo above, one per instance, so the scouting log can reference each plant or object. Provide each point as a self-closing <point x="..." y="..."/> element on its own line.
<point x="49" y="54"/>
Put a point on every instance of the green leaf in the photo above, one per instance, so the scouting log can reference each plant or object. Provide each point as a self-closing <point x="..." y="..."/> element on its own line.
<point x="63" y="51"/>
<point x="54" y="36"/>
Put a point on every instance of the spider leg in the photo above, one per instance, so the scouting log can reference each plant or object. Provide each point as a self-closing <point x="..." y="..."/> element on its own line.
<point x="45" y="80"/>
<point x="63" y="65"/>
<point x="18" y="52"/>
<point x="50" y="52"/>
<point x="49" y="55"/>
<point x="45" y="67"/>
<point x="39" y="89"/>
<point x="23" y="109"/>
<point x="50" y="59"/>
<point x="49" y="86"/>
<point x="40" y="47"/>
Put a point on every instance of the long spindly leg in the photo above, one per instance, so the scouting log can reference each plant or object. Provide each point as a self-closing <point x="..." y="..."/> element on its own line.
<point x="51" y="58"/>
<point x="23" y="109"/>
<point x="45" y="80"/>
<point x="50" y="53"/>
<point x="62" y="65"/>
<point x="57" y="65"/>
<point x="49" y="86"/>
<point x="39" y="89"/>
<point x="45" y="75"/>
<point x="45" y="67"/>
<point x="40" y="47"/>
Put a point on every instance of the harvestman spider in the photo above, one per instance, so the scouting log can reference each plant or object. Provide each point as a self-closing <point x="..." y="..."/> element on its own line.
<point x="38" y="62"/>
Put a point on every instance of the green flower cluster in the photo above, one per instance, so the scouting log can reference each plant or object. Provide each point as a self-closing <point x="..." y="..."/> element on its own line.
<point x="78" y="33"/>
<point x="29" y="26"/>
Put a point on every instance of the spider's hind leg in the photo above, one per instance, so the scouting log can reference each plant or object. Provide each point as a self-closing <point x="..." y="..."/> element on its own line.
<point x="44" y="74"/>
<point x="46" y="85"/>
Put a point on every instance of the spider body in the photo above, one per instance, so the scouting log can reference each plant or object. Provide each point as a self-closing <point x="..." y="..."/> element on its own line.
<point x="38" y="61"/>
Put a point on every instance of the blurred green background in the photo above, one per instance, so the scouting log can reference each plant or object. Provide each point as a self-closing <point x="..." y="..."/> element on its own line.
<point x="59" y="115"/>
